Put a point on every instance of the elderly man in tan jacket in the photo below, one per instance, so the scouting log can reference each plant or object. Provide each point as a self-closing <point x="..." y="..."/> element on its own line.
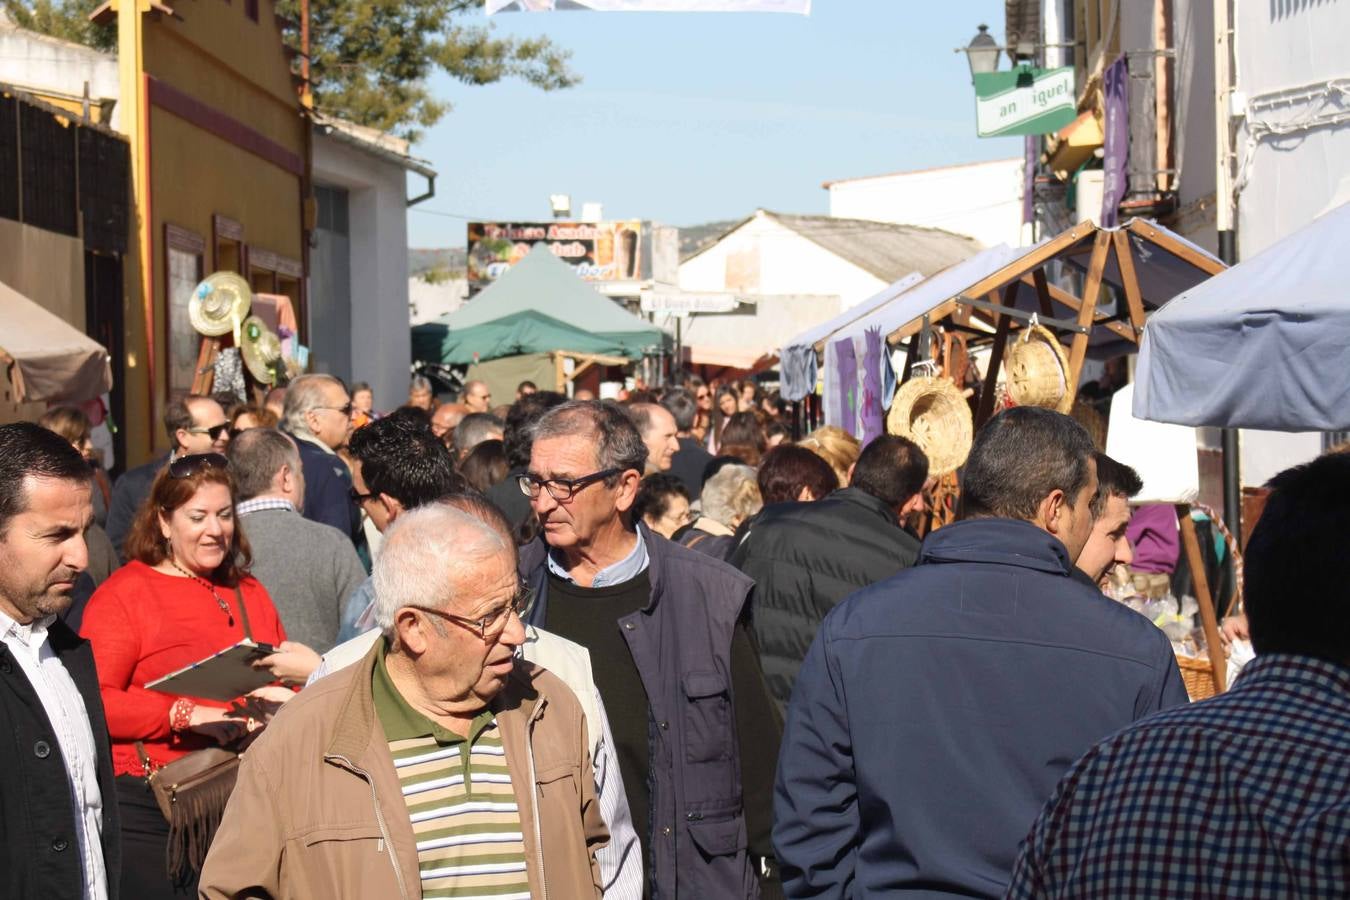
<point x="441" y="765"/>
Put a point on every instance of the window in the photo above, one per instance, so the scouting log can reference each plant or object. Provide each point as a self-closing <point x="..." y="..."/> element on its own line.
<point x="251" y="9"/>
<point x="183" y="261"/>
<point x="228" y="240"/>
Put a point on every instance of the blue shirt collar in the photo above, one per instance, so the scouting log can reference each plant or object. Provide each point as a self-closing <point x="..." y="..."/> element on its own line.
<point x="626" y="569"/>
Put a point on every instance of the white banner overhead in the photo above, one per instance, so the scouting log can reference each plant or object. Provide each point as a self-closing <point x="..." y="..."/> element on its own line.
<point x="801" y="7"/>
<point x="682" y="304"/>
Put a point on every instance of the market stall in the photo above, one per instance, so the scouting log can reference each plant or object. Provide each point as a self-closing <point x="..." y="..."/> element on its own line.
<point x="45" y="358"/>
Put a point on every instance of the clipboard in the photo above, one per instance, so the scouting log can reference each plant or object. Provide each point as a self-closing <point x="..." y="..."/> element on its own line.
<point x="221" y="676"/>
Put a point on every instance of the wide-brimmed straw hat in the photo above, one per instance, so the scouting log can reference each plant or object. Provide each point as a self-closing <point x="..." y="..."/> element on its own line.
<point x="261" y="349"/>
<point x="933" y="413"/>
<point x="219" y="304"/>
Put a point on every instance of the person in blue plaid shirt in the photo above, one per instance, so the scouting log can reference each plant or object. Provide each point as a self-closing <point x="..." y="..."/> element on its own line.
<point x="1246" y="794"/>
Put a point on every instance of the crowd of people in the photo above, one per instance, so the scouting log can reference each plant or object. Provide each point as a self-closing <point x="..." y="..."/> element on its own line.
<point x="647" y="647"/>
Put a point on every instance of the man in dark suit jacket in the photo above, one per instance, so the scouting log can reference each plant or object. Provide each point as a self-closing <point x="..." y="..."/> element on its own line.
<point x="59" y="832"/>
<point x="691" y="459"/>
<point x="194" y="425"/>
<point x="319" y="417"/>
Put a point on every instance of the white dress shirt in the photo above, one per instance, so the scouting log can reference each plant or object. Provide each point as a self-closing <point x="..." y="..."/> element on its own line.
<point x="66" y="712"/>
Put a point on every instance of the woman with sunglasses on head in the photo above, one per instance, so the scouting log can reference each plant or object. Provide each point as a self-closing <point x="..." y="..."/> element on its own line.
<point x="183" y="595"/>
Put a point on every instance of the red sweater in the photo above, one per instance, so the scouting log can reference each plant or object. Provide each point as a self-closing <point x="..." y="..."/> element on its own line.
<point x="143" y="625"/>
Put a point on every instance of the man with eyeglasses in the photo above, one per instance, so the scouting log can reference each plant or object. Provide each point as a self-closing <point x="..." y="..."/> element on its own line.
<point x="318" y="414"/>
<point x="194" y="425"/>
<point x="439" y="766"/>
<point x="672" y="656"/>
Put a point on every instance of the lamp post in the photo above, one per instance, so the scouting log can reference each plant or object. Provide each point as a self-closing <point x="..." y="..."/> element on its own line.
<point x="982" y="53"/>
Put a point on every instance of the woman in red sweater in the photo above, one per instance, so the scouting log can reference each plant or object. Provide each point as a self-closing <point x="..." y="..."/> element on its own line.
<point x="175" y="602"/>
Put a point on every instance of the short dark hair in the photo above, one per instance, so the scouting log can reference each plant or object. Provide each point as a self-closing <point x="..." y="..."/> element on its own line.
<point x="681" y="404"/>
<point x="411" y="416"/>
<point x="787" y="468"/>
<point x="358" y="386"/>
<point x="527" y="384"/>
<point x="1019" y="457"/>
<point x="1295" y="596"/>
<point x="519" y="419"/>
<point x="178" y="414"/>
<point x="1114" y="479"/>
<point x="485" y="465"/>
<point x="256" y="456"/>
<point x="641" y="414"/>
<point x="31" y="450"/>
<point x="891" y="468"/>
<point x="617" y="441"/>
<point x="654" y="494"/>
<point x="405" y="462"/>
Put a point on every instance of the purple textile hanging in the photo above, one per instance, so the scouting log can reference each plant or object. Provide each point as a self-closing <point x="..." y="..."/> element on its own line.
<point x="1031" y="155"/>
<point x="1116" y="149"/>
<point x="873" y="424"/>
<point x="846" y="378"/>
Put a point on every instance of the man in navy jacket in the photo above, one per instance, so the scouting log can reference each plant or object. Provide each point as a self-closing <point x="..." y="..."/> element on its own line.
<point x="319" y="417"/>
<point x="936" y="710"/>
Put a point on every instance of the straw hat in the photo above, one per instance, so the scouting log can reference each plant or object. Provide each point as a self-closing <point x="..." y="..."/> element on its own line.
<point x="261" y="350"/>
<point x="219" y="304"/>
<point x="933" y="413"/>
<point x="1037" y="369"/>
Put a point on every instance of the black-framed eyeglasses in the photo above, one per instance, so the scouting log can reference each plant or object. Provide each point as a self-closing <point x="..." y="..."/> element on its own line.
<point x="491" y="625"/>
<point x="186" y="466"/>
<point x="215" y="431"/>
<point x="357" y="497"/>
<point x="346" y="410"/>
<point x="560" y="489"/>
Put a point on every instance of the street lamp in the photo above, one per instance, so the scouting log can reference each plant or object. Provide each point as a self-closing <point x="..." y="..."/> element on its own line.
<point x="982" y="53"/>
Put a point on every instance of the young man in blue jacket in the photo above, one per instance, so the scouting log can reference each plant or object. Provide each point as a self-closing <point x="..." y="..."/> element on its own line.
<point x="936" y="710"/>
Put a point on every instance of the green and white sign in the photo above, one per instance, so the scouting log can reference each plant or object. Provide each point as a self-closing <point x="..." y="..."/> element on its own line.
<point x="1024" y="101"/>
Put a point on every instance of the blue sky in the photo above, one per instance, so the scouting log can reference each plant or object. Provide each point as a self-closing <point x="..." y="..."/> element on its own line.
<point x="690" y="118"/>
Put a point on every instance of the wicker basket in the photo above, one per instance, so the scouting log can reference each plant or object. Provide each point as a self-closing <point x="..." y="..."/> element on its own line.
<point x="1198" y="676"/>
<point x="933" y="413"/>
<point x="1037" y="369"/>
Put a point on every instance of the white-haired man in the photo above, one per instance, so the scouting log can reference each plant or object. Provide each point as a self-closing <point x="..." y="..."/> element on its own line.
<point x="319" y="417"/>
<point x="430" y="769"/>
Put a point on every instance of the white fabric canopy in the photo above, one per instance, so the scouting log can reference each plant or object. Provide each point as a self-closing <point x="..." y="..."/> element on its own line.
<point x="52" y="361"/>
<point x="1265" y="344"/>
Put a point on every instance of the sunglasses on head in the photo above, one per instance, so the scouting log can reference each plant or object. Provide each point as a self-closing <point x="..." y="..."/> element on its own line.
<point x="187" y="466"/>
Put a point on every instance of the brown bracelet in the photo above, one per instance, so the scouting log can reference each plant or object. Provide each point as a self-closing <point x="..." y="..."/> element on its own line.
<point x="180" y="714"/>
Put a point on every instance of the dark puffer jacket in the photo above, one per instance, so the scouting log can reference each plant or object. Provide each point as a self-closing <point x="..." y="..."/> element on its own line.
<point x="805" y="558"/>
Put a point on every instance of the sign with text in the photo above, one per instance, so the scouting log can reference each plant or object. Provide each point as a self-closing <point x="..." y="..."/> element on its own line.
<point x="598" y="251"/>
<point x="681" y="303"/>
<point x="1024" y="101"/>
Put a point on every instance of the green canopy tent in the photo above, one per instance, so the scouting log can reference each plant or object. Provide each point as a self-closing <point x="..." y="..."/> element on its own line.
<point x="538" y="306"/>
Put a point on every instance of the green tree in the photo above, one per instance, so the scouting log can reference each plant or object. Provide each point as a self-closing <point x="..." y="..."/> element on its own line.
<point x="370" y="59"/>
<point x="65" y="19"/>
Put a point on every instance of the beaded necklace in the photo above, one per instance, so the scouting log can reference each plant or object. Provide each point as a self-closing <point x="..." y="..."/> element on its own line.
<point x="220" y="601"/>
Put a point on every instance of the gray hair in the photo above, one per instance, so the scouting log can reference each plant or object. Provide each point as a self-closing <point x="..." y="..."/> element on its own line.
<point x="732" y="492"/>
<point x="256" y="456"/>
<point x="302" y="395"/>
<point x="424" y="557"/>
<point x="618" y="444"/>
<point x="475" y="428"/>
<point x="418" y="383"/>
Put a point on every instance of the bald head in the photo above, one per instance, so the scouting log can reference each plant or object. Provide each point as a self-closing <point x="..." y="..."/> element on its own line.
<point x="477" y="397"/>
<point x="445" y="418"/>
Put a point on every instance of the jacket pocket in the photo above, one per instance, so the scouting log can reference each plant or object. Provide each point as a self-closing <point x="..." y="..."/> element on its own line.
<point x="341" y="860"/>
<point x="708" y="727"/>
<point x="719" y="838"/>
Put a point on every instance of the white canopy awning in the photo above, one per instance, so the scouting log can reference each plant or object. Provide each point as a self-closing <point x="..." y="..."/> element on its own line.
<point x="1265" y="344"/>
<point x="50" y="359"/>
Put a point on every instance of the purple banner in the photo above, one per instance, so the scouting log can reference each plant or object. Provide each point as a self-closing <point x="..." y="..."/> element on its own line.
<point x="1032" y="155"/>
<point x="873" y="424"/>
<point x="846" y="380"/>
<point x="1116" y="148"/>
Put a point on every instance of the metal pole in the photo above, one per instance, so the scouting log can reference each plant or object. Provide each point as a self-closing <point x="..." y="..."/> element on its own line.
<point x="1223" y="192"/>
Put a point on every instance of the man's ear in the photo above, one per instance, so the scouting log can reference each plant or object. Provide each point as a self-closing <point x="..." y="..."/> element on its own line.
<point x="392" y="506"/>
<point x="628" y="487"/>
<point x="1051" y="512"/>
<point x="410" y="630"/>
<point x="180" y="439"/>
<point x="914" y="504"/>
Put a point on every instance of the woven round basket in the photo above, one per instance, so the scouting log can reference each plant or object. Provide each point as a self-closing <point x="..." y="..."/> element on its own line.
<point x="1037" y="369"/>
<point x="1198" y="677"/>
<point x="933" y="413"/>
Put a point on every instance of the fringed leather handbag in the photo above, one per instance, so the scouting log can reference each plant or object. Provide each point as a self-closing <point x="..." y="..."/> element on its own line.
<point x="192" y="792"/>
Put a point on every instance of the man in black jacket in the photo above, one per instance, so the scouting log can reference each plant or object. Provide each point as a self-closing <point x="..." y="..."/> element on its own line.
<point x="806" y="557"/>
<point x="59" y="833"/>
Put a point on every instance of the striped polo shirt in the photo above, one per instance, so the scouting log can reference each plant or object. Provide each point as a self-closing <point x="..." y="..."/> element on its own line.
<point x="458" y="791"/>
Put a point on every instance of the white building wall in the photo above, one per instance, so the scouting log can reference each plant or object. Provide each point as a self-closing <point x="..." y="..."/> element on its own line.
<point x="983" y="200"/>
<point x="1291" y="68"/>
<point x="44" y="63"/>
<point x="378" y="229"/>
<point x="777" y="260"/>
